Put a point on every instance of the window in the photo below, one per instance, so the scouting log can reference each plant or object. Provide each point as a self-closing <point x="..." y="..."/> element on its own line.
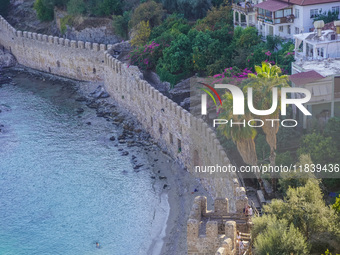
<point x="261" y="11"/>
<point x="320" y="52"/>
<point x="288" y="29"/>
<point x="314" y="13"/>
<point x="297" y="13"/>
<point x="160" y="128"/>
<point x="335" y="9"/>
<point x="179" y="145"/>
<point x="297" y="30"/>
<point x="279" y="14"/>
<point x="171" y="138"/>
<point x="287" y="12"/>
<point x="268" y="13"/>
<point x="280" y="28"/>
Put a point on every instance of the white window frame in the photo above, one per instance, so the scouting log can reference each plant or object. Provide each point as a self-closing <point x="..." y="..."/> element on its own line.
<point x="336" y="9"/>
<point x="297" y="30"/>
<point x="314" y="13"/>
<point x="297" y="13"/>
<point x="287" y="12"/>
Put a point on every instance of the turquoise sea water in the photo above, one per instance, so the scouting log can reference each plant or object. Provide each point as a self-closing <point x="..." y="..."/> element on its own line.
<point x="61" y="183"/>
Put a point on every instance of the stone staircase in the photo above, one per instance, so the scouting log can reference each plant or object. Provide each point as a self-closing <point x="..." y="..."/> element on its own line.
<point x="246" y="238"/>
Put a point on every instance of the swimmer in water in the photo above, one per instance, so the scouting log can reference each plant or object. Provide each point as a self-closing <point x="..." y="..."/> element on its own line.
<point x="97" y="245"/>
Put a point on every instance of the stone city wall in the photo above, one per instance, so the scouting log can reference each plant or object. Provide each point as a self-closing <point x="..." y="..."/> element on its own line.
<point x="203" y="237"/>
<point x="185" y="137"/>
<point x="73" y="59"/>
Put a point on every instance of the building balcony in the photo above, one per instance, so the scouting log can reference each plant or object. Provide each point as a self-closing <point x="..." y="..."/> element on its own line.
<point x="271" y="20"/>
<point x="244" y="7"/>
<point x="244" y="24"/>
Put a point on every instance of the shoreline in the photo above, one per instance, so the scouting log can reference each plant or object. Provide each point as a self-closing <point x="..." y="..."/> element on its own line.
<point x="168" y="236"/>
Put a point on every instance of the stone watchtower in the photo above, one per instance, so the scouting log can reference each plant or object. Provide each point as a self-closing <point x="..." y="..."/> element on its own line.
<point x="214" y="232"/>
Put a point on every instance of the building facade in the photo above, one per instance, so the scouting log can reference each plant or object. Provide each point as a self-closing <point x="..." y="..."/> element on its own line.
<point x="317" y="68"/>
<point x="283" y="18"/>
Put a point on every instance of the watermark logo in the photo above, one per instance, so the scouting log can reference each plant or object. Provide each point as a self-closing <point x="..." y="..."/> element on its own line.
<point x="238" y="104"/>
<point x="238" y="100"/>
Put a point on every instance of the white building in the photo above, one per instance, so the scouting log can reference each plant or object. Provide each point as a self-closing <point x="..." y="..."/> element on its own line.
<point x="317" y="68"/>
<point x="283" y="18"/>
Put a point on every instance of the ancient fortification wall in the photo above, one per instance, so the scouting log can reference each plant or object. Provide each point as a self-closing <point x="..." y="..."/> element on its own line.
<point x="187" y="138"/>
<point x="74" y="59"/>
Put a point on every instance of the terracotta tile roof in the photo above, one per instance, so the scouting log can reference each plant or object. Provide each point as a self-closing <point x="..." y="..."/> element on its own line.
<point x="272" y="5"/>
<point x="309" y="2"/>
<point x="300" y="79"/>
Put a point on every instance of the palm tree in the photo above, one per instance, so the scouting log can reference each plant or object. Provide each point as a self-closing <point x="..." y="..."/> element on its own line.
<point x="242" y="136"/>
<point x="267" y="78"/>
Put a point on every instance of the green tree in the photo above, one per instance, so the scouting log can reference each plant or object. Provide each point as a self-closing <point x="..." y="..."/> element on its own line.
<point x="4" y="5"/>
<point x="332" y="130"/>
<point x="262" y="148"/>
<point x="216" y="18"/>
<point x="305" y="208"/>
<point x="44" y="13"/>
<point x="327" y="17"/>
<point x="121" y="24"/>
<point x="76" y="7"/>
<point x="242" y="136"/>
<point x="148" y="11"/>
<point x="267" y="77"/>
<point x="193" y="9"/>
<point x="141" y="33"/>
<point x="277" y="236"/>
<point x="295" y="179"/>
<point x="322" y="149"/>
<point x="108" y="7"/>
<point x="177" y="57"/>
<point x="336" y="205"/>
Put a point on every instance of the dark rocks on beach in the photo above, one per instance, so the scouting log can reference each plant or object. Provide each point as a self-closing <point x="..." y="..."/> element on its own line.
<point x="112" y="138"/>
<point x="88" y="123"/>
<point x="93" y="104"/>
<point x="100" y="93"/>
<point x="181" y="91"/>
<point x="162" y="177"/>
<point x="138" y="166"/>
<point x="81" y="99"/>
<point x="185" y="103"/>
<point x="153" y="177"/>
<point x="7" y="59"/>
<point x="79" y="110"/>
<point x="4" y="80"/>
<point x="125" y="153"/>
<point x="165" y="186"/>
<point x="122" y="141"/>
<point x="101" y="114"/>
